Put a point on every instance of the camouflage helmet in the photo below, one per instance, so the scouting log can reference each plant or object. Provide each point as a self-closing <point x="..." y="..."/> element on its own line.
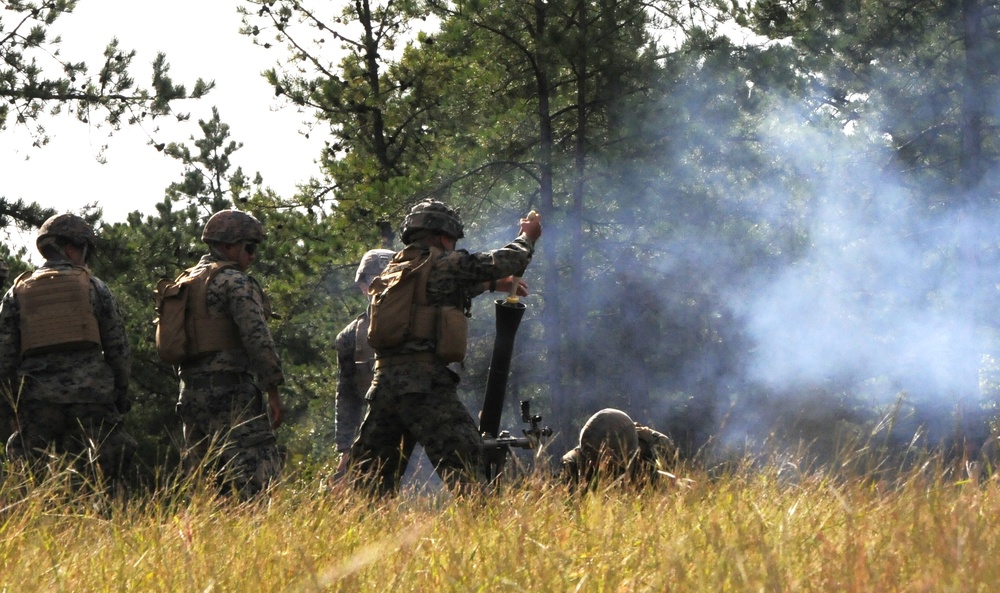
<point x="435" y="216"/>
<point x="232" y="226"/>
<point x="65" y="226"/>
<point x="372" y="264"/>
<point x="609" y="434"/>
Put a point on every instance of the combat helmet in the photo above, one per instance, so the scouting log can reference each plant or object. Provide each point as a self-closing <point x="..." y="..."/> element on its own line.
<point x="232" y="226"/>
<point x="609" y="435"/>
<point x="432" y="215"/>
<point x="65" y="226"/>
<point x="372" y="264"/>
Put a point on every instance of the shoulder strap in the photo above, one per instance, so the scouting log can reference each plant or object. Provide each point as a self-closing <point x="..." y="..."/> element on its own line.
<point x="21" y="277"/>
<point x="425" y="268"/>
<point x="424" y="317"/>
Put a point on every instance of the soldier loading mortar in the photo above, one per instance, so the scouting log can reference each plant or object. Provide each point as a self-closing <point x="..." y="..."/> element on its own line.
<point x="419" y="310"/>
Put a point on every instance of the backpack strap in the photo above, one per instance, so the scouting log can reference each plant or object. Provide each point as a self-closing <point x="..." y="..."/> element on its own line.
<point x="424" y="322"/>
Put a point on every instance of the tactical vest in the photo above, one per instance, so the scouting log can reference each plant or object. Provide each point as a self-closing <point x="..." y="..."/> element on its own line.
<point x="207" y="333"/>
<point x="445" y="325"/>
<point x="56" y="313"/>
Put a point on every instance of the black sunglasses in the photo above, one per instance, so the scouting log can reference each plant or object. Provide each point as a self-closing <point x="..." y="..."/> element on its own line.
<point x="251" y="248"/>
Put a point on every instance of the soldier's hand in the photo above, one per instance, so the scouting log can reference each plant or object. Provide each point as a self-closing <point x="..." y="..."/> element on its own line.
<point x="504" y="285"/>
<point x="275" y="410"/>
<point x="531" y="226"/>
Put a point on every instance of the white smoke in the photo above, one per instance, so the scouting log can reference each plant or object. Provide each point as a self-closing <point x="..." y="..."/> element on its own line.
<point x="888" y="287"/>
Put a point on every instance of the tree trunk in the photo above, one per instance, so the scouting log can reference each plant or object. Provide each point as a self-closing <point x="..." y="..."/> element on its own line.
<point x="552" y="320"/>
<point x="973" y="95"/>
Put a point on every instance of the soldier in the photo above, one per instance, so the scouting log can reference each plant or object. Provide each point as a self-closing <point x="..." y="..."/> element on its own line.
<point x="414" y="393"/>
<point x="613" y="446"/>
<point x="356" y="360"/>
<point x="220" y="405"/>
<point x="64" y="356"/>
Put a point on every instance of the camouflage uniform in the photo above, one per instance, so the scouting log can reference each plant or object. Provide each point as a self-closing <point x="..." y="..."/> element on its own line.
<point x="356" y="359"/>
<point x="68" y="398"/>
<point x="350" y="389"/>
<point x="414" y="394"/>
<point x="648" y="453"/>
<point x="226" y="426"/>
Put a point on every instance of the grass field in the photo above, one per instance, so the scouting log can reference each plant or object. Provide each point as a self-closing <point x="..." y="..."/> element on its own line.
<point x="755" y="527"/>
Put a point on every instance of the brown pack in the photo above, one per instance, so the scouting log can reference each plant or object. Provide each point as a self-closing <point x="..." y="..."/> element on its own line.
<point x="399" y="309"/>
<point x="183" y="328"/>
<point x="392" y="316"/>
<point x="171" y="304"/>
<point x="452" y="334"/>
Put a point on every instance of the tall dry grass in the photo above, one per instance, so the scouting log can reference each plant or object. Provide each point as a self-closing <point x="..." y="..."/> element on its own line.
<point x="754" y="527"/>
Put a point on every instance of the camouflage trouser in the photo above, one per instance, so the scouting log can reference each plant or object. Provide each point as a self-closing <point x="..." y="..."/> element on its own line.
<point x="437" y="420"/>
<point x="226" y="430"/>
<point x="88" y="433"/>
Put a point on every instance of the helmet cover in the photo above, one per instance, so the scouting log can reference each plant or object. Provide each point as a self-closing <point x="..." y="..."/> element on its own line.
<point x="65" y="226"/>
<point x="434" y="216"/>
<point x="232" y="226"/>
<point x="609" y="435"/>
<point x="372" y="264"/>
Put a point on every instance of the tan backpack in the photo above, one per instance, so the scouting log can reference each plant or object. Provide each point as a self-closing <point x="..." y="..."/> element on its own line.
<point x="399" y="311"/>
<point x="394" y="292"/>
<point x="176" y="338"/>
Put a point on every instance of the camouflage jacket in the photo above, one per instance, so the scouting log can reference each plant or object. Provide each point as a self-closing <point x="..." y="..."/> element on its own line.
<point x="234" y="293"/>
<point x="93" y="375"/>
<point x="350" y="394"/>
